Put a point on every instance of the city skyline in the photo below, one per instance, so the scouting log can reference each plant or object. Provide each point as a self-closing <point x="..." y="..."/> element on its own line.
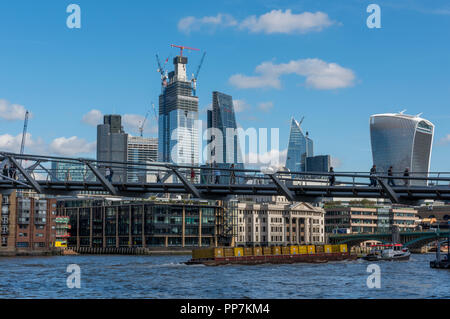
<point x="269" y="80"/>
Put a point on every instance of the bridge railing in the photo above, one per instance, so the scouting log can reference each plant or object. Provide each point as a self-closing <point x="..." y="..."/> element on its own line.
<point x="30" y="170"/>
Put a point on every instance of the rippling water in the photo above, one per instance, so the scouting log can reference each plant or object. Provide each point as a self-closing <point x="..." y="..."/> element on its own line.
<point x="168" y="277"/>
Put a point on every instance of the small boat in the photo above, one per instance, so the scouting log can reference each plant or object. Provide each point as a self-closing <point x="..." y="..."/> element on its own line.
<point x="388" y="252"/>
<point x="442" y="260"/>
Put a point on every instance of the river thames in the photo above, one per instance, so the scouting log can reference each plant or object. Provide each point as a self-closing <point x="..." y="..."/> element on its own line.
<point x="168" y="277"/>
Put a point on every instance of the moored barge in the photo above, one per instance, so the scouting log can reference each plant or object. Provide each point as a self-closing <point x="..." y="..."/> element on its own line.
<point x="270" y="255"/>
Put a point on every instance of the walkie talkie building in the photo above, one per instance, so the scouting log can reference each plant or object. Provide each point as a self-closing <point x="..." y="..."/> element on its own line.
<point x="401" y="141"/>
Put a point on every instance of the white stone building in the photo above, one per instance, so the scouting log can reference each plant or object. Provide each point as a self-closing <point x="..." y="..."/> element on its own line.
<point x="279" y="223"/>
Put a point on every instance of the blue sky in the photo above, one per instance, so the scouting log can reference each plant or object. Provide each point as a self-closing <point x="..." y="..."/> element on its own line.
<point x="108" y="65"/>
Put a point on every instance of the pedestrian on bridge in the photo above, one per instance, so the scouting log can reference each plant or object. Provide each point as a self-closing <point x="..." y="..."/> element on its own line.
<point x="390" y="180"/>
<point x="109" y="174"/>
<point x="406" y="174"/>
<point x="158" y="177"/>
<point x="5" y="171"/>
<point x="373" y="172"/>
<point x="232" y="175"/>
<point x="216" y="174"/>
<point x="192" y="175"/>
<point x="332" y="178"/>
<point x="12" y="172"/>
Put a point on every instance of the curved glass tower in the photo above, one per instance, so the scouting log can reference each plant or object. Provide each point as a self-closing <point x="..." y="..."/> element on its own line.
<point x="300" y="147"/>
<point x="401" y="141"/>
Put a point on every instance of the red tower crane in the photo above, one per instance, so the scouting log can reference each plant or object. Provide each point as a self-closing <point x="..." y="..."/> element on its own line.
<point x="181" y="47"/>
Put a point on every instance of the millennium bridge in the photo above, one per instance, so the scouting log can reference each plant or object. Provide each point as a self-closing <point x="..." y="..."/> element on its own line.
<point x="37" y="173"/>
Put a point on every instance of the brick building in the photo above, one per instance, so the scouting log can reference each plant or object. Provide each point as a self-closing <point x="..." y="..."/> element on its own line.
<point x="27" y="224"/>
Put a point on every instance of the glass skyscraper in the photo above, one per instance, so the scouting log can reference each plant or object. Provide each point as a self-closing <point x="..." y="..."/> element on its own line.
<point x="300" y="147"/>
<point x="178" y="115"/>
<point x="222" y="117"/>
<point x="401" y="141"/>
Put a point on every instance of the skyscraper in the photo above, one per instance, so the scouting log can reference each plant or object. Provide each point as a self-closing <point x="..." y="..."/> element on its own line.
<point x="65" y="171"/>
<point x="318" y="164"/>
<point x="401" y="141"/>
<point x="112" y="144"/>
<point x="178" y="114"/>
<point x="141" y="150"/>
<point x="300" y="147"/>
<point x="222" y="117"/>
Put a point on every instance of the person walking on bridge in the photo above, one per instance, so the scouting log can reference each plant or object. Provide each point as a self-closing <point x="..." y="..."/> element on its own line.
<point x="192" y="175"/>
<point x="109" y="174"/>
<point x="5" y="171"/>
<point x="332" y="178"/>
<point x="390" y="180"/>
<point x="406" y="174"/>
<point x="373" y="172"/>
<point x="216" y="174"/>
<point x="232" y="175"/>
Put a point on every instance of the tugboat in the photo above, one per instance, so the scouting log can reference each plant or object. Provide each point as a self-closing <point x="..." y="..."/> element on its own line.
<point x="388" y="252"/>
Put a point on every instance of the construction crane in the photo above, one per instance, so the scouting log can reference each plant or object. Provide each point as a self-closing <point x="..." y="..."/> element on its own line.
<point x="162" y="71"/>
<point x="141" y="127"/>
<point x="195" y="77"/>
<point x="181" y="47"/>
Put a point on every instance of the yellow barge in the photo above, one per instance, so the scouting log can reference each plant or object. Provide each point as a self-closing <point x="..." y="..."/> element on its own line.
<point x="270" y="255"/>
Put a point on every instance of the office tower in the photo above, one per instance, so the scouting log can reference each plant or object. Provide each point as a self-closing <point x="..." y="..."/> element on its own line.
<point x="318" y="164"/>
<point x="401" y="141"/>
<point x="178" y="114"/>
<point x="112" y="144"/>
<point x="222" y="117"/>
<point x="224" y="151"/>
<point x="141" y="150"/>
<point x="65" y="171"/>
<point x="300" y="147"/>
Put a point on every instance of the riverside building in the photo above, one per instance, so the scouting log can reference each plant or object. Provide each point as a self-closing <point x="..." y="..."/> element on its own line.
<point x="369" y="219"/>
<point x="28" y="224"/>
<point x="104" y="223"/>
<point x="279" y="223"/>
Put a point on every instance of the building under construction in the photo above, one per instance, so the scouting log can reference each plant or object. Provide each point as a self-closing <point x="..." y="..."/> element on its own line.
<point x="178" y="116"/>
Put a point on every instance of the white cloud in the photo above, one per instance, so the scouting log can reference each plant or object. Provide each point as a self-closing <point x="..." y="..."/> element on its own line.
<point x="240" y="106"/>
<point x="132" y="123"/>
<point x="273" y="158"/>
<point x="12" y="112"/>
<point x="265" y="106"/>
<point x="277" y="21"/>
<point x="336" y="162"/>
<point x="93" y="117"/>
<point x="445" y="140"/>
<point x="189" y="24"/>
<point x="319" y="75"/>
<point x="71" y="146"/>
<point x="9" y="143"/>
